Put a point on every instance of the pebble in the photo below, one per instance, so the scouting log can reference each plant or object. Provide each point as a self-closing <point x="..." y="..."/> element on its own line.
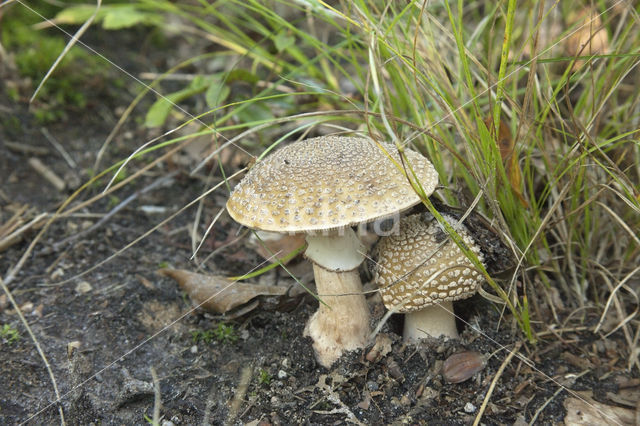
<point x="282" y="374"/>
<point x="83" y="287"/>
<point x="469" y="408"/>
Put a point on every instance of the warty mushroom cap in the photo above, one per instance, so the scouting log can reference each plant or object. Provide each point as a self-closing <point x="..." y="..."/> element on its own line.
<point x="326" y="183"/>
<point x="409" y="259"/>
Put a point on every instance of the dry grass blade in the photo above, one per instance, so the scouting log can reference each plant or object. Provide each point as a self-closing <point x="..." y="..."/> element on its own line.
<point x="487" y="397"/>
<point x="38" y="348"/>
<point x="67" y="48"/>
<point x="157" y="399"/>
<point x="61" y="211"/>
<point x="12" y="230"/>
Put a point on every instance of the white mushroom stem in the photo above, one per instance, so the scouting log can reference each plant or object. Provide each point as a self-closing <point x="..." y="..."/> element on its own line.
<point x="435" y="321"/>
<point x="341" y="323"/>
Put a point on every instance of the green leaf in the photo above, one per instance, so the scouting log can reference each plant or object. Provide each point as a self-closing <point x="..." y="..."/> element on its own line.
<point x="124" y="17"/>
<point x="257" y="111"/>
<point x="113" y="17"/>
<point x="283" y="40"/>
<point x="216" y="94"/>
<point x="157" y="114"/>
<point x="75" y="15"/>
<point x="242" y="75"/>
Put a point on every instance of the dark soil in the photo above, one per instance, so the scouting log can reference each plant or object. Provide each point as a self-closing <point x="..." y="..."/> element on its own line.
<point x="105" y="331"/>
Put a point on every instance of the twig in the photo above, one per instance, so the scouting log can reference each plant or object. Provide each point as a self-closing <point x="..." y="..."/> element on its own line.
<point x="556" y="331"/>
<point x="47" y="173"/>
<point x="148" y="232"/>
<point x="11" y="274"/>
<point x="543" y="406"/>
<point x="26" y="149"/>
<point x="158" y="182"/>
<point x="38" y="348"/>
<point x="556" y="393"/>
<point x="494" y="381"/>
<point x="157" y="400"/>
<point x="7" y="240"/>
<point x="60" y="148"/>
<point x="241" y="391"/>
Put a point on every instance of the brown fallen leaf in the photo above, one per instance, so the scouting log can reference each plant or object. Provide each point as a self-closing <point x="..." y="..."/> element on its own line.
<point x="380" y="349"/>
<point x="506" y="145"/>
<point x="587" y="411"/>
<point x="462" y="366"/>
<point x="219" y="294"/>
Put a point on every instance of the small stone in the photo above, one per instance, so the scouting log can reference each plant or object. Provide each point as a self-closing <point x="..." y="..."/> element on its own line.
<point x="469" y="408"/>
<point x="372" y="386"/>
<point x="194" y="349"/>
<point x="406" y="401"/>
<point x="282" y="374"/>
<point x="83" y="287"/>
<point x="58" y="273"/>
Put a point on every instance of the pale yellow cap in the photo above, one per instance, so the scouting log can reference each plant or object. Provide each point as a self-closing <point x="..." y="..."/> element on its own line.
<point x="407" y="260"/>
<point x="326" y="183"/>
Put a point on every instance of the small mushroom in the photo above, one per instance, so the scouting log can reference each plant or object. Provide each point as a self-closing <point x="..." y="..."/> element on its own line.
<point x="421" y="271"/>
<point x="322" y="187"/>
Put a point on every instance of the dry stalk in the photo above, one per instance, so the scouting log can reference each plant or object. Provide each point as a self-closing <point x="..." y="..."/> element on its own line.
<point x="38" y="348"/>
<point x="487" y="397"/>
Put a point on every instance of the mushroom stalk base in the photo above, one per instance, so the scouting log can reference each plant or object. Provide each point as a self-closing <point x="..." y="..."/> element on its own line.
<point x="435" y="321"/>
<point x="343" y="325"/>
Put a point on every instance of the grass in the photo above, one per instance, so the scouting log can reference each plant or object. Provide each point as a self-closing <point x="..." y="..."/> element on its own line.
<point x="33" y="54"/>
<point x="223" y="333"/>
<point x="446" y="78"/>
<point x="9" y="334"/>
<point x="432" y="75"/>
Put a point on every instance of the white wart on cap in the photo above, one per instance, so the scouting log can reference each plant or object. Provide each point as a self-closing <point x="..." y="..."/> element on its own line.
<point x="322" y="187"/>
<point x="420" y="271"/>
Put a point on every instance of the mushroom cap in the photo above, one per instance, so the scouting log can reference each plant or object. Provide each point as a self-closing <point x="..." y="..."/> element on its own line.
<point x="408" y="259"/>
<point x="325" y="183"/>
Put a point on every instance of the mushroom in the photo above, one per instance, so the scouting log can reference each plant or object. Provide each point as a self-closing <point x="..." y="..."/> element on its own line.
<point x="322" y="187"/>
<point x="420" y="271"/>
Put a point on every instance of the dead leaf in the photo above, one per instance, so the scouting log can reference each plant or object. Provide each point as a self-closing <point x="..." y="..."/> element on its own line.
<point x="589" y="37"/>
<point x="506" y="145"/>
<point x="462" y="366"/>
<point x="219" y="294"/>
<point x="380" y="349"/>
<point x="587" y="411"/>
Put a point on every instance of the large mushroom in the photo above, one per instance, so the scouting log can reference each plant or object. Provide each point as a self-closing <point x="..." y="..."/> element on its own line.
<point x="322" y="187"/>
<point x="420" y="271"/>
